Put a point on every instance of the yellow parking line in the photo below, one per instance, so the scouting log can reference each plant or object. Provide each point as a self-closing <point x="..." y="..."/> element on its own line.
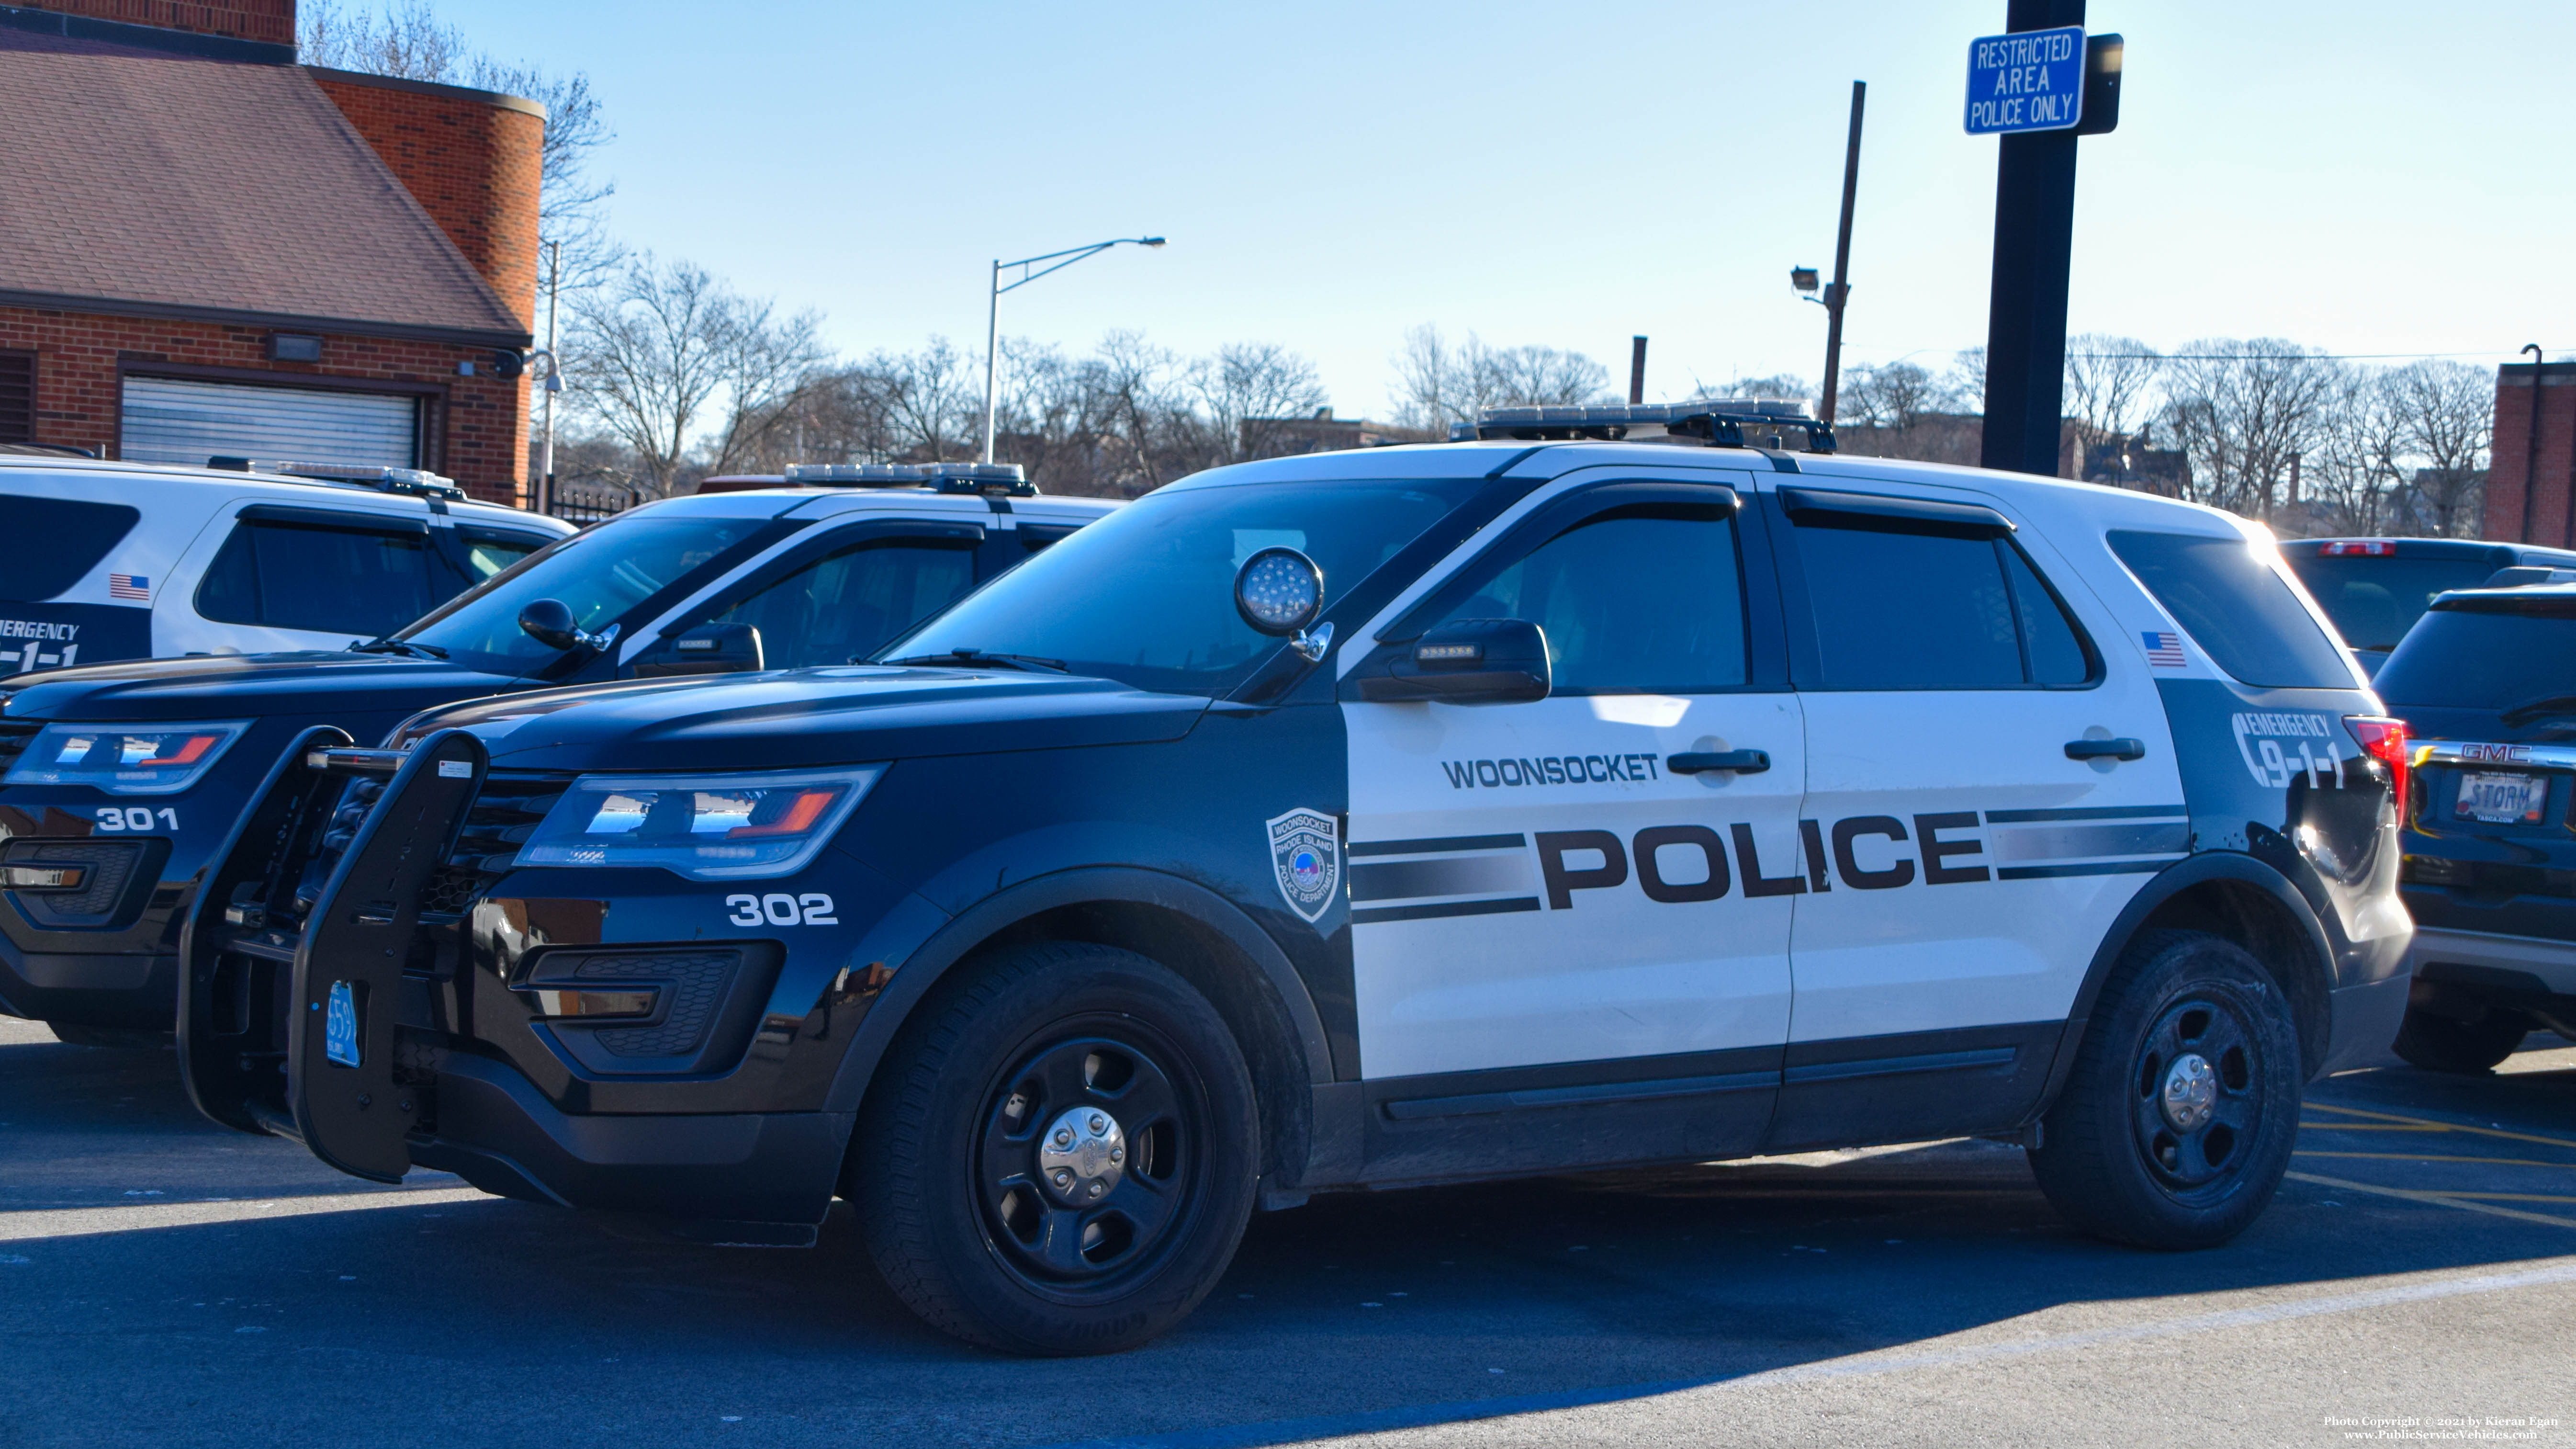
<point x="2436" y="1199"/>
<point x="2438" y="1157"/>
<point x="2363" y="1127"/>
<point x="2427" y="1125"/>
<point x="2511" y="1196"/>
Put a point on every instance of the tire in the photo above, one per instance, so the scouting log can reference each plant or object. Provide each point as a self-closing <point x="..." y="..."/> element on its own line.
<point x="2440" y="1044"/>
<point x="984" y="1172"/>
<point x="2119" y="1162"/>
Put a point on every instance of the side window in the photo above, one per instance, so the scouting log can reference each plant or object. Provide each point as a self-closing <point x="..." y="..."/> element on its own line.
<point x="1898" y="608"/>
<point x="844" y="605"/>
<point x="1644" y="599"/>
<point x="2236" y="606"/>
<point x="332" y="580"/>
<point x="76" y="534"/>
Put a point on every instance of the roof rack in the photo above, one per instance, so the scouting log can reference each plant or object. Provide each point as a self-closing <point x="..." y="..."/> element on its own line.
<point x="993" y="480"/>
<point x="855" y="475"/>
<point x="419" y="482"/>
<point x="1714" y="422"/>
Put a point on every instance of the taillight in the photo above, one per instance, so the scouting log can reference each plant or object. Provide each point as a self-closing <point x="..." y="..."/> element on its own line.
<point x="2363" y="548"/>
<point x="2384" y="740"/>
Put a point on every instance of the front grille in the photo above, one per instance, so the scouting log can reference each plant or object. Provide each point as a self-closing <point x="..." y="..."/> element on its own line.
<point x="498" y="823"/>
<point x="110" y="865"/>
<point x="14" y="736"/>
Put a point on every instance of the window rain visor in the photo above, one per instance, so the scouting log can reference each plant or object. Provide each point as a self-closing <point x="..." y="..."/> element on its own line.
<point x="704" y="827"/>
<point x="599" y="573"/>
<point x="1145" y="596"/>
<point x="138" y="759"/>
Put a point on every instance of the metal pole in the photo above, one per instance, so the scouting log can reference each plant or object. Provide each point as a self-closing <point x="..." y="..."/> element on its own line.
<point x="1840" y="292"/>
<point x="2531" y="446"/>
<point x="554" y="369"/>
<point x="992" y="334"/>
<point x="1636" y="371"/>
<point x="2026" y="310"/>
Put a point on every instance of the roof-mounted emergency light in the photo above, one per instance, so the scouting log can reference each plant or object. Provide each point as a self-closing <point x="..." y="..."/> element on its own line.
<point x="993" y="480"/>
<point x="419" y="481"/>
<point x="856" y="475"/>
<point x="1715" y="422"/>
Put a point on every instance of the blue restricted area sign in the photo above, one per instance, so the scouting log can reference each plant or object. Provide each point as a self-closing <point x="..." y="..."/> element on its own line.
<point x="2032" y="80"/>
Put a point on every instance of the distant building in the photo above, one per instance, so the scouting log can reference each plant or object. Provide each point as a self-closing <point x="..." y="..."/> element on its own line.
<point x="2528" y="488"/>
<point x="1323" y="433"/>
<point x="206" y="248"/>
<point x="2134" y="462"/>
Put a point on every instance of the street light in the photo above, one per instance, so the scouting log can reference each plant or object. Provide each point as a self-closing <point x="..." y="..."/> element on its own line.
<point x="993" y="312"/>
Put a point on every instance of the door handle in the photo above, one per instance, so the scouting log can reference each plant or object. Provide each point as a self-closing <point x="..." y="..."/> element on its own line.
<point x="1742" y="762"/>
<point x="2120" y="749"/>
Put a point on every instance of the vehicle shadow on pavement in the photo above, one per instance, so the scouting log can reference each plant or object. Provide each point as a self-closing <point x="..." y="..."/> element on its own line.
<point x="509" y="1322"/>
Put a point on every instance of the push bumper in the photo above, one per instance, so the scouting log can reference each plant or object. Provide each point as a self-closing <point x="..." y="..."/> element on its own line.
<point x="495" y="1130"/>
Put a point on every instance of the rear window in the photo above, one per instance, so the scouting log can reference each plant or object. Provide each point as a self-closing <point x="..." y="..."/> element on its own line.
<point x="2456" y="659"/>
<point x="2374" y="601"/>
<point x="75" y="535"/>
<point x="2236" y="606"/>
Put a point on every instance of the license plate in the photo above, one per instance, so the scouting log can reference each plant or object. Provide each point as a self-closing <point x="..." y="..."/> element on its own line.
<point x="2501" y="799"/>
<point x="340" y="1026"/>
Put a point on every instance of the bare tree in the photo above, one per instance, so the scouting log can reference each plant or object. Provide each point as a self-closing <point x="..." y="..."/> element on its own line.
<point x="1248" y="390"/>
<point x="670" y="360"/>
<point x="1968" y="376"/>
<point x="2354" y="471"/>
<point x="1438" y="385"/>
<point x="1894" y="397"/>
<point x="2445" y="412"/>
<point x="2243" y="410"/>
<point x="2110" y="388"/>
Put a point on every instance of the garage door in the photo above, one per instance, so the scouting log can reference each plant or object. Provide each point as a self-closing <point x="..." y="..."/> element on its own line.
<point x="168" y="420"/>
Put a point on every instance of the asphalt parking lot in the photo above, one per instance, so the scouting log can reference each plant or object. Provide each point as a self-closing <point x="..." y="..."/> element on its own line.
<point x="163" y="1280"/>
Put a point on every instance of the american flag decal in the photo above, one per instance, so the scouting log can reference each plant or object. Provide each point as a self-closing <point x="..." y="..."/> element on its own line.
<point x="129" y="586"/>
<point x="2164" y="650"/>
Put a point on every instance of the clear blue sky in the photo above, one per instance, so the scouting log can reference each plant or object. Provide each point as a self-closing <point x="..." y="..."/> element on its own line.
<point x="2365" y="176"/>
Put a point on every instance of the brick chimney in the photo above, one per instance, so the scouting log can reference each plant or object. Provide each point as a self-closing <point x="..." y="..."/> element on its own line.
<point x="267" y="22"/>
<point x="470" y="158"/>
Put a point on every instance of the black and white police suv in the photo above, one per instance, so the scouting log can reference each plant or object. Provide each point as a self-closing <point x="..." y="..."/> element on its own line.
<point x="119" y="783"/>
<point x="113" y="561"/>
<point x="1359" y="819"/>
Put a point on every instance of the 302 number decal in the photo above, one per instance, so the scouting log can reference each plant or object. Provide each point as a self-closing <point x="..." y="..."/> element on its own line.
<point x="135" y="817"/>
<point x="782" y="910"/>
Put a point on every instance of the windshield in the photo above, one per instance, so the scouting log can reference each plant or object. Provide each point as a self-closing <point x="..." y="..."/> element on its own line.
<point x="2374" y="601"/>
<point x="2458" y="659"/>
<point x="1146" y="595"/>
<point x="599" y="573"/>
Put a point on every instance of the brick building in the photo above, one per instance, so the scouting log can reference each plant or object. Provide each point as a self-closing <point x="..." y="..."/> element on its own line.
<point x="2533" y="473"/>
<point x="206" y="248"/>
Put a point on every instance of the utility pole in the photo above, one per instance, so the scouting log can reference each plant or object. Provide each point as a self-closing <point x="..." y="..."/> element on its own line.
<point x="1636" y="371"/>
<point x="553" y="380"/>
<point x="1840" y="291"/>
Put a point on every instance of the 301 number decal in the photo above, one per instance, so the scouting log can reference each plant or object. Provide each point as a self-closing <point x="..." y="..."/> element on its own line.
<point x="782" y="910"/>
<point x="135" y="817"/>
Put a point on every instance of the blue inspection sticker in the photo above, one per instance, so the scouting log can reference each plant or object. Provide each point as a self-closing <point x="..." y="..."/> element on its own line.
<point x="340" y="1026"/>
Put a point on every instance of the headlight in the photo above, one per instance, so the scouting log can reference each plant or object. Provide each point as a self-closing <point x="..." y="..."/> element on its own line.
<point x="705" y="827"/>
<point x="137" y="759"/>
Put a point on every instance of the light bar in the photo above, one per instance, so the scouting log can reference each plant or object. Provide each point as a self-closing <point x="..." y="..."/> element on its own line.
<point x="1721" y="422"/>
<point x="391" y="480"/>
<point x="2364" y="548"/>
<point x="995" y="480"/>
<point x="863" y="475"/>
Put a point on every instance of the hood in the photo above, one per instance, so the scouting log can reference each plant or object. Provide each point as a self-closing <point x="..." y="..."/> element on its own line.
<point x="794" y="719"/>
<point x="236" y="686"/>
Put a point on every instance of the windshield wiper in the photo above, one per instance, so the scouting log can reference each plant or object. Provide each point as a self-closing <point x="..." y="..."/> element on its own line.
<point x="387" y="644"/>
<point x="2533" y="709"/>
<point x="956" y="657"/>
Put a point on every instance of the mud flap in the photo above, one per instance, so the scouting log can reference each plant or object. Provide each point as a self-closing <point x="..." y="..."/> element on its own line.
<point x="232" y="964"/>
<point x="349" y="966"/>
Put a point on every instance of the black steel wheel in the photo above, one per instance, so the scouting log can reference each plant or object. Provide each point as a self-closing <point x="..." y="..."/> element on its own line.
<point x="1059" y="1154"/>
<point x="2179" y="1115"/>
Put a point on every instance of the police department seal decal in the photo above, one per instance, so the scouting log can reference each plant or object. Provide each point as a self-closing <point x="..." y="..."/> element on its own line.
<point x="1306" y="855"/>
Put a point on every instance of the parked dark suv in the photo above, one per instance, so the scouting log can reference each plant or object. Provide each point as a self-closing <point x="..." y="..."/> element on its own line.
<point x="2376" y="588"/>
<point x="2487" y="684"/>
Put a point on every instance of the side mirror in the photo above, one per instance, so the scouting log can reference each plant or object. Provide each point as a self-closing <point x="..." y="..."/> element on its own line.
<point x="1468" y="661"/>
<point x="550" y="622"/>
<point x="1279" y="591"/>
<point x="706" y="649"/>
